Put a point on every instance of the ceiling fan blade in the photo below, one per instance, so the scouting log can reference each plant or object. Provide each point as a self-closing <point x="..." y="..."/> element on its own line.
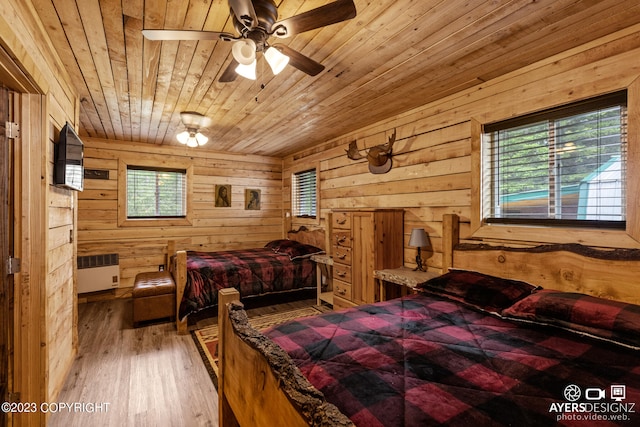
<point x="322" y="16"/>
<point x="300" y="61"/>
<point x="244" y="11"/>
<point x="185" y="35"/>
<point x="229" y="74"/>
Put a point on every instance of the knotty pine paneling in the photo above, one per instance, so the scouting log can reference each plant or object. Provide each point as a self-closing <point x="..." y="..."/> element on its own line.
<point x="432" y="166"/>
<point x="60" y="294"/>
<point x="144" y="248"/>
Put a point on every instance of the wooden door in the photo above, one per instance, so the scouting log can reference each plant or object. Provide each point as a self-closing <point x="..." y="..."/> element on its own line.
<point x="5" y="250"/>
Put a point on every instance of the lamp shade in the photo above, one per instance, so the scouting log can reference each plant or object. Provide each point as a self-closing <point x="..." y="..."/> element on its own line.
<point x="244" y="51"/>
<point x="276" y="59"/>
<point x="247" y="71"/>
<point x="183" y="137"/>
<point x="419" y="238"/>
<point x="201" y="139"/>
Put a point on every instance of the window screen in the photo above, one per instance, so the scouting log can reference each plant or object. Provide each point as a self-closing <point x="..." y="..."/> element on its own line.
<point x="156" y="193"/>
<point x="304" y="194"/>
<point x="560" y="167"/>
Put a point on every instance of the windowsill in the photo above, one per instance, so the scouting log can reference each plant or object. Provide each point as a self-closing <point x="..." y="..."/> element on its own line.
<point x="305" y="221"/>
<point x="155" y="222"/>
<point x="586" y="236"/>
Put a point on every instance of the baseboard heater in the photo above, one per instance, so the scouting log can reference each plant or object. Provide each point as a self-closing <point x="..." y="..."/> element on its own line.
<point x="98" y="273"/>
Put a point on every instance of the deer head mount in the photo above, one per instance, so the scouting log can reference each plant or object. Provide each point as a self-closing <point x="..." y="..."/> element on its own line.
<point x="379" y="157"/>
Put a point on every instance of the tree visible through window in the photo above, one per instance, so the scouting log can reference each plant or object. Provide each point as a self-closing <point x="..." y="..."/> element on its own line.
<point x="304" y="194"/>
<point x="155" y="193"/>
<point x="565" y="166"/>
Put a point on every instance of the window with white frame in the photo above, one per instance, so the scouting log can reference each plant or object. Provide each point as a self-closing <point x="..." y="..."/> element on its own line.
<point x="564" y="167"/>
<point x="156" y="193"/>
<point x="304" y="193"/>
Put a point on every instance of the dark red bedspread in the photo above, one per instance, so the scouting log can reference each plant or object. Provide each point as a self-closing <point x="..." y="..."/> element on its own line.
<point x="252" y="271"/>
<point x="421" y="361"/>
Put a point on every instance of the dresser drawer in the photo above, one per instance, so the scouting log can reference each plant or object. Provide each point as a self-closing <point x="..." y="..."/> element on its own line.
<point x="342" y="238"/>
<point x="341" y="220"/>
<point x="341" y="289"/>
<point x="342" y="272"/>
<point x="342" y="254"/>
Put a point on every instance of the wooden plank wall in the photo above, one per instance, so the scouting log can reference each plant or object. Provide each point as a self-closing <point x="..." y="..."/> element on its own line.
<point x="60" y="296"/>
<point x="45" y="319"/>
<point x="144" y="248"/>
<point x="432" y="166"/>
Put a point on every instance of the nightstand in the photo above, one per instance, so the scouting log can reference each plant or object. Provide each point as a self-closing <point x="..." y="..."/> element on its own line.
<point x="406" y="277"/>
<point x="323" y="269"/>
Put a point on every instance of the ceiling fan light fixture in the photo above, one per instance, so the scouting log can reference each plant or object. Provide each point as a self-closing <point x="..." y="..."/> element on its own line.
<point x="192" y="137"/>
<point x="276" y="59"/>
<point x="247" y="71"/>
<point x="244" y="51"/>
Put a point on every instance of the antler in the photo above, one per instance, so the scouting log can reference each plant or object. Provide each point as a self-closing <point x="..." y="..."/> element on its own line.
<point x="392" y="139"/>
<point x="353" y="153"/>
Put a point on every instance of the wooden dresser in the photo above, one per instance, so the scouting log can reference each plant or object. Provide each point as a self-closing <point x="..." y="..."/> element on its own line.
<point x="362" y="241"/>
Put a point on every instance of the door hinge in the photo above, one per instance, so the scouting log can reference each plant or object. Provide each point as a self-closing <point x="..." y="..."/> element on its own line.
<point x="12" y="130"/>
<point x="13" y="265"/>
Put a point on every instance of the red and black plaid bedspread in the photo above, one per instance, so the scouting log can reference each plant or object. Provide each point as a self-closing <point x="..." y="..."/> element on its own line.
<point x="421" y="361"/>
<point x="252" y="271"/>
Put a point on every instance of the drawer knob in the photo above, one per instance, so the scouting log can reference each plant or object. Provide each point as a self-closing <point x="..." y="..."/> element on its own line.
<point x="342" y="291"/>
<point x="341" y="221"/>
<point x="341" y="273"/>
<point x="341" y="256"/>
<point x="341" y="239"/>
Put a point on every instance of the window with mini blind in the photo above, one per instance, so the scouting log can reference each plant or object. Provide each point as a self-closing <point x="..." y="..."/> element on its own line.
<point x="304" y="193"/>
<point x="156" y="193"/>
<point x="560" y="167"/>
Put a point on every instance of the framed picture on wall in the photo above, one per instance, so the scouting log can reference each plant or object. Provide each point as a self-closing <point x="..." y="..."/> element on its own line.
<point x="223" y="196"/>
<point x="252" y="199"/>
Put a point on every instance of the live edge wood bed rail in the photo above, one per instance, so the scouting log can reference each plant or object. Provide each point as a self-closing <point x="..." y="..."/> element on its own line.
<point x="256" y="387"/>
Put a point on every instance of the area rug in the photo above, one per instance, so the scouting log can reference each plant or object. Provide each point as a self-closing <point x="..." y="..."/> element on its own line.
<point x="206" y="339"/>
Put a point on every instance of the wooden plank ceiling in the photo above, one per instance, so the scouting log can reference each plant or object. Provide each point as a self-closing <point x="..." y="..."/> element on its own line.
<point x="394" y="56"/>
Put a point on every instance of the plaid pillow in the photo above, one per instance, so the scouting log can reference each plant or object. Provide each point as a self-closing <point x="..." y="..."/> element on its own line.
<point x="294" y="249"/>
<point x="612" y="320"/>
<point x="482" y="291"/>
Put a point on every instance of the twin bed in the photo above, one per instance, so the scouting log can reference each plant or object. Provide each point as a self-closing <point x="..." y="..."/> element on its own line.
<point x="282" y="265"/>
<point x="468" y="348"/>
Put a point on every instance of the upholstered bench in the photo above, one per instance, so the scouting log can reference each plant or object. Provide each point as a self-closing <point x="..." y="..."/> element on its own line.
<point x="154" y="297"/>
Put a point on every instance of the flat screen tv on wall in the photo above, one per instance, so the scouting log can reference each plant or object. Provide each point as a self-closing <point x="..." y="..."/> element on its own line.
<point x="68" y="170"/>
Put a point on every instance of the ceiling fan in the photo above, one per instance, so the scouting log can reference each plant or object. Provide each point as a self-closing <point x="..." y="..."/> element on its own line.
<point x="256" y="21"/>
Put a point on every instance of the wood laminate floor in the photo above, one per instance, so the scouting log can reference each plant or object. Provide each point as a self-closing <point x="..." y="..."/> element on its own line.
<point x="148" y="376"/>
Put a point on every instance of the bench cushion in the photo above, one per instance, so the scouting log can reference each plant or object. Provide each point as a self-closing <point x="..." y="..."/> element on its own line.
<point x="153" y="296"/>
<point x="153" y="283"/>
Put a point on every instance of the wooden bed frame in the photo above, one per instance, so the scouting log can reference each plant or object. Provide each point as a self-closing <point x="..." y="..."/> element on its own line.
<point x="178" y="264"/>
<point x="257" y="389"/>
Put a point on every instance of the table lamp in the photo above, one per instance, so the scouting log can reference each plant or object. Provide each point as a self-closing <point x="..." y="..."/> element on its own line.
<point x="419" y="239"/>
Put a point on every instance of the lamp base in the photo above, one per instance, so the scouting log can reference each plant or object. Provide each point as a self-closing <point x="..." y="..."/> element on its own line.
<point x="419" y="266"/>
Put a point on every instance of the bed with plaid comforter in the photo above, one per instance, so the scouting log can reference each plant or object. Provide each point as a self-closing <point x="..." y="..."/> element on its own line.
<point x="427" y="360"/>
<point x="256" y="271"/>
